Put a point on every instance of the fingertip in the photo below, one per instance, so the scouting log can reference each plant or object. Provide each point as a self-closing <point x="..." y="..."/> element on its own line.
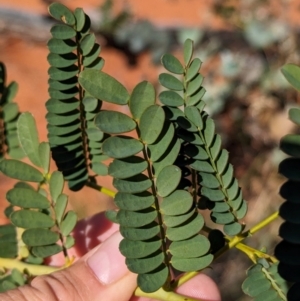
<point x="201" y="287"/>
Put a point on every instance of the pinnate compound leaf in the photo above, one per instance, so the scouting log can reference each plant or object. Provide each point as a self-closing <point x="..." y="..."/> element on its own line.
<point x="31" y="219"/>
<point x="152" y="281"/>
<point x="191" y="264"/>
<point x="178" y="202"/>
<point x="39" y="237"/>
<point x="46" y="251"/>
<point x="28" y="137"/>
<point x="27" y="198"/>
<point x="151" y="123"/>
<point x="114" y="122"/>
<point x="60" y="206"/>
<point x="142" y="97"/>
<point x="56" y="184"/>
<point x="167" y="180"/>
<point x="292" y="74"/>
<point x="121" y="147"/>
<point x="21" y="171"/>
<point x="61" y="13"/>
<point x="45" y="156"/>
<point x="172" y="64"/>
<point x="68" y="223"/>
<point x="103" y="86"/>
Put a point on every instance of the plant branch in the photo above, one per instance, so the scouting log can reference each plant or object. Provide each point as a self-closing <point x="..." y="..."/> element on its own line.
<point x="163" y="295"/>
<point x="262" y="224"/>
<point x="33" y="269"/>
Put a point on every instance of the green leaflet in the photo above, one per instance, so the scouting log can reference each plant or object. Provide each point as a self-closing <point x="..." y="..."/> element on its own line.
<point x="60" y="207"/>
<point x="151" y="124"/>
<point x="99" y="168"/>
<point x="56" y="185"/>
<point x="187" y="230"/>
<point x="136" y="219"/>
<point x="157" y="150"/>
<point x="139" y="249"/>
<point x="45" y="156"/>
<point x="20" y="171"/>
<point x="167" y="180"/>
<point x="191" y="264"/>
<point x="188" y="49"/>
<point x="62" y="74"/>
<point x="114" y="122"/>
<point x="87" y="44"/>
<point x="103" y="86"/>
<point x="61" y="106"/>
<point x="145" y="265"/>
<point x="10" y="111"/>
<point x="294" y="115"/>
<point x="142" y="97"/>
<point x="170" y="82"/>
<point x="195" y="99"/>
<point x="212" y="194"/>
<point x="135" y="184"/>
<point x="39" y="237"/>
<point x="178" y="202"/>
<point x="127" y="167"/>
<point x="152" y="281"/>
<point x="27" y="198"/>
<point x="292" y="74"/>
<point x="142" y="233"/>
<point x="193" y="69"/>
<point x="194" y="115"/>
<point x="31" y="219"/>
<point x="290" y="144"/>
<point x="92" y="56"/>
<point x="68" y="223"/>
<point x="61" y="13"/>
<point x="194" y="247"/>
<point x="62" y="32"/>
<point x="80" y="18"/>
<point x="28" y="137"/>
<point x="172" y="64"/>
<point x="168" y="157"/>
<point x="194" y="85"/>
<point x="46" y="251"/>
<point x="209" y="131"/>
<point x="61" y="60"/>
<point x="121" y="147"/>
<point x="134" y="202"/>
<point x="171" y="98"/>
<point x="290" y="168"/>
<point x="61" y="46"/>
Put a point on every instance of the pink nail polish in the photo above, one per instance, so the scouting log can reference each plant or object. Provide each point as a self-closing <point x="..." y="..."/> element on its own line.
<point x="107" y="262"/>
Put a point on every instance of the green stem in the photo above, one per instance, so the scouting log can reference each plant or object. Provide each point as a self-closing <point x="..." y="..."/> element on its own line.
<point x="163" y="295"/>
<point x="33" y="269"/>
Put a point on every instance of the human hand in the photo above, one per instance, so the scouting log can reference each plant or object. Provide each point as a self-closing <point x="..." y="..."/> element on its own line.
<point x="101" y="274"/>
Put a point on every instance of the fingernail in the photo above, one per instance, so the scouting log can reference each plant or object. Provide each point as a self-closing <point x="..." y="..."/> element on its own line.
<point x="107" y="262"/>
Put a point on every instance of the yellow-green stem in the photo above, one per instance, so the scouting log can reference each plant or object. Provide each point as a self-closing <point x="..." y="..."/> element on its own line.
<point x="104" y="190"/>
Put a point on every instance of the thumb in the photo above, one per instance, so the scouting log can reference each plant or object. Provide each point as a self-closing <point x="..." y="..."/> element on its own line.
<point x="100" y="275"/>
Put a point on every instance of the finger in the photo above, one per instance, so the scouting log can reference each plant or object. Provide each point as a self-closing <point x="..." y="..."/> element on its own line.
<point x="99" y="275"/>
<point x="200" y="287"/>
